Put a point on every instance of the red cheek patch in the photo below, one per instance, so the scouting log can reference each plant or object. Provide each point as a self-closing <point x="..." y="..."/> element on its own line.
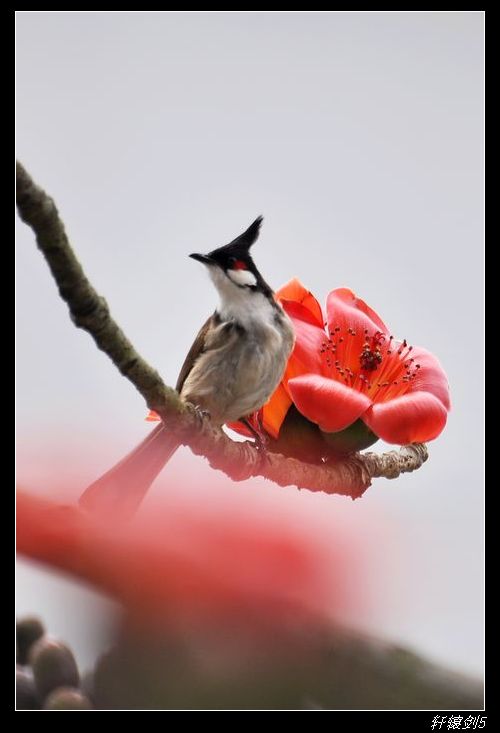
<point x="239" y="265"/>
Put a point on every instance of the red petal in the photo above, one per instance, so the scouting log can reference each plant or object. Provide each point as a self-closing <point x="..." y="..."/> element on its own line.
<point x="240" y="428"/>
<point x="309" y="337"/>
<point x="344" y="309"/>
<point x="274" y="411"/>
<point x="431" y="376"/>
<point x="330" y="404"/>
<point x="294" y="290"/>
<point x="48" y="532"/>
<point x="416" y="417"/>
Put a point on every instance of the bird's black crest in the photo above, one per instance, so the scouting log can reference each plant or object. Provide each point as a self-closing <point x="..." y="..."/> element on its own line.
<point x="242" y="243"/>
<point x="249" y="236"/>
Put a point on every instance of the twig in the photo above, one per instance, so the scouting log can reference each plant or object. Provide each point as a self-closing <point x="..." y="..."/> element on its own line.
<point x="239" y="460"/>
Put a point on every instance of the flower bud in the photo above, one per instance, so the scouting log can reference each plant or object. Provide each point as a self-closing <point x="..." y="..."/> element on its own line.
<point x="26" y="694"/>
<point x="28" y="630"/>
<point x="67" y="698"/>
<point x="53" y="666"/>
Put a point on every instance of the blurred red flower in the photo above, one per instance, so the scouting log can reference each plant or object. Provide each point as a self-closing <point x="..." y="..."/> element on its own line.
<point x="183" y="567"/>
<point x="349" y="367"/>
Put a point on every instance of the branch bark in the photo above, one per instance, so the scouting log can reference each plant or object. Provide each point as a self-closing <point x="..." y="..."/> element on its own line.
<point x="239" y="460"/>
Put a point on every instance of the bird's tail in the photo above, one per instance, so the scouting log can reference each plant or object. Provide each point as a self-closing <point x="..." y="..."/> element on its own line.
<point x="121" y="489"/>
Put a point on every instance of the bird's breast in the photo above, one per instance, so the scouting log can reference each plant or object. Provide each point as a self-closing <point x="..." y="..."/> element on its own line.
<point x="241" y="366"/>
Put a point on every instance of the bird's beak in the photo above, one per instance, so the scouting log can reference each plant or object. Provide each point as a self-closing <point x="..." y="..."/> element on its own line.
<point x="203" y="258"/>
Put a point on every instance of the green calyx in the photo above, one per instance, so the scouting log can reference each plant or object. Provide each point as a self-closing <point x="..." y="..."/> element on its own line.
<point x="302" y="439"/>
<point x="356" y="437"/>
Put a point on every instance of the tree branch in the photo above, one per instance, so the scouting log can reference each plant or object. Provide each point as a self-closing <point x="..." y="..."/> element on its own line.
<point x="239" y="460"/>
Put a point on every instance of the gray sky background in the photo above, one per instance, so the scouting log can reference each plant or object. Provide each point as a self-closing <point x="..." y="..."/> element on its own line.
<point x="359" y="137"/>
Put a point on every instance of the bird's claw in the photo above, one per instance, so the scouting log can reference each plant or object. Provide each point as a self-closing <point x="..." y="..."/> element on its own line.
<point x="201" y="414"/>
<point x="261" y="442"/>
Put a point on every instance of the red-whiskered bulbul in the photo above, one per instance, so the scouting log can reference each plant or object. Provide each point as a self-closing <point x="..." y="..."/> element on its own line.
<point x="231" y="370"/>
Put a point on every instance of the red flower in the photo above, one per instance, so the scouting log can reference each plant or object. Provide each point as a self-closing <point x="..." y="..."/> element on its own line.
<point x="348" y="368"/>
<point x="183" y="566"/>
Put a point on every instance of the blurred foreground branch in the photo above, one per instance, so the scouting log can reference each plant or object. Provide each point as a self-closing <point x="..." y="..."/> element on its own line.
<point x="303" y="668"/>
<point x="313" y="669"/>
<point x="239" y="460"/>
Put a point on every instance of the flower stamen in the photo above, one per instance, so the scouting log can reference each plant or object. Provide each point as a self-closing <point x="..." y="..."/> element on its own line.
<point x="396" y="368"/>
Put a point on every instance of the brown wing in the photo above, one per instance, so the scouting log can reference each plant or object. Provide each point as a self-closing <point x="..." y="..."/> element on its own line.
<point x="196" y="349"/>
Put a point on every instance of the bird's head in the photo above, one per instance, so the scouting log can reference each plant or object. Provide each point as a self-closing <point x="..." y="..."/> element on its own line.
<point x="232" y="268"/>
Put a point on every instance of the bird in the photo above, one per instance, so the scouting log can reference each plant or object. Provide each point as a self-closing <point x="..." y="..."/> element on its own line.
<point x="233" y="367"/>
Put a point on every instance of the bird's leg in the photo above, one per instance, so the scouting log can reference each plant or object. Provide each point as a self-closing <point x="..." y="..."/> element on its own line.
<point x="261" y="438"/>
<point x="201" y="414"/>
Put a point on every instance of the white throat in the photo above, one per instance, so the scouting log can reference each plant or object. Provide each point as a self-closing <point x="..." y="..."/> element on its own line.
<point x="239" y="303"/>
